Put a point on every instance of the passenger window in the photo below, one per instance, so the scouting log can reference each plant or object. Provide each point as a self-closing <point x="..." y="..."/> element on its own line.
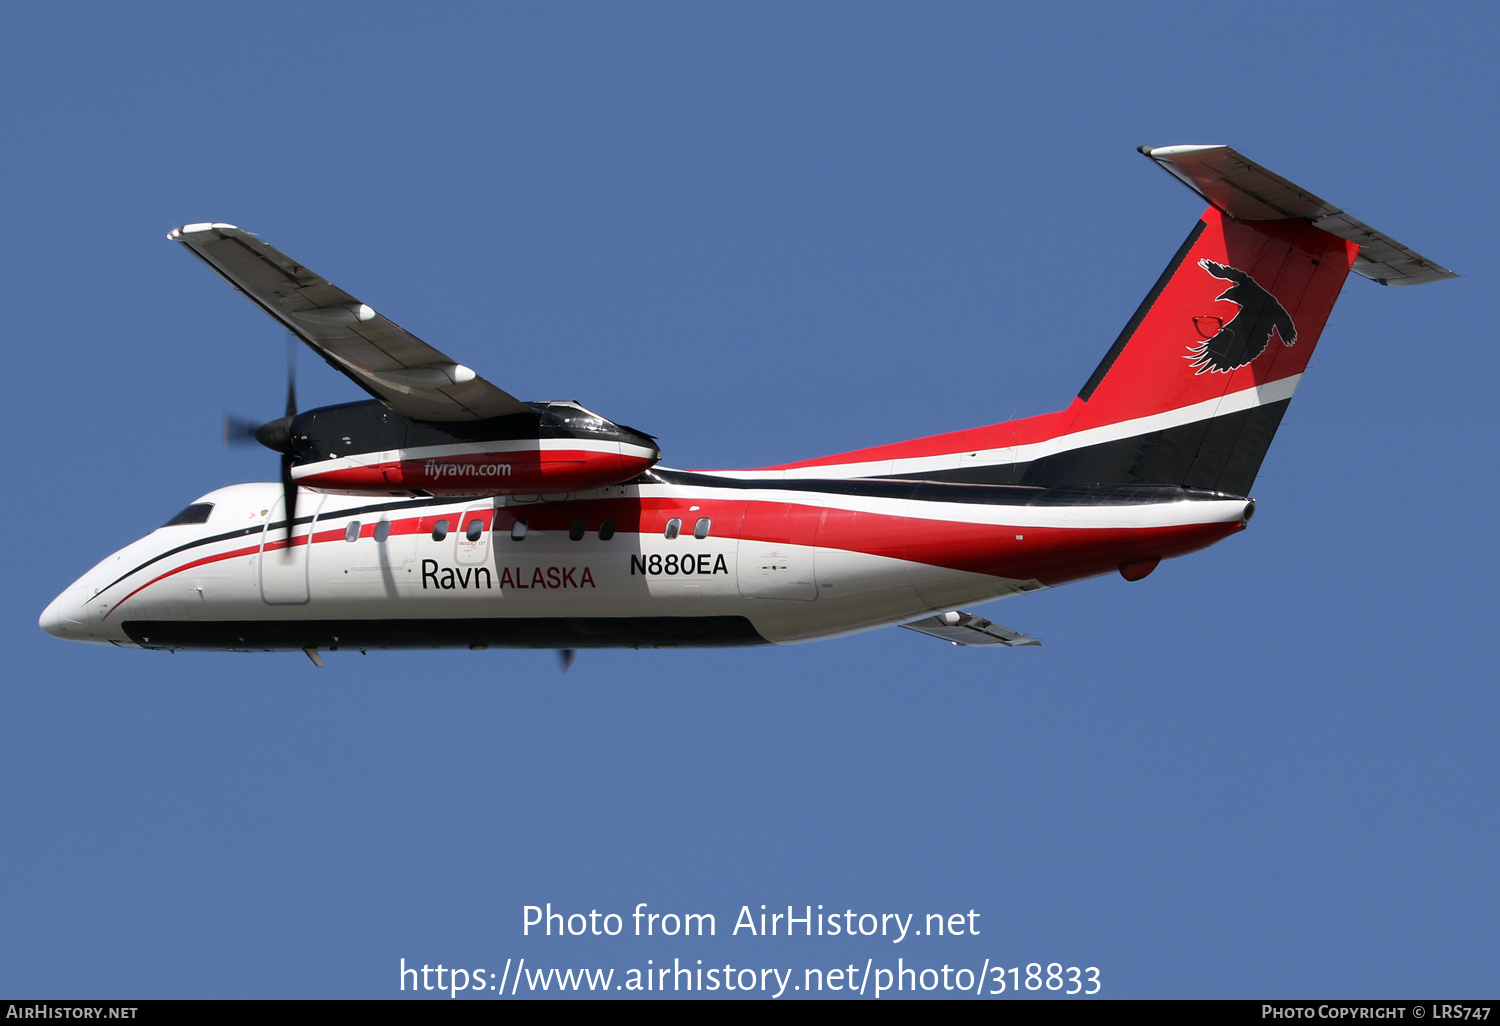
<point x="440" y="530"/>
<point x="700" y="529"/>
<point x="674" y="527"/>
<point x="475" y="530"/>
<point x="607" y="530"/>
<point x="351" y="533"/>
<point x="382" y="530"/>
<point x="518" y="530"/>
<point x="575" y="533"/>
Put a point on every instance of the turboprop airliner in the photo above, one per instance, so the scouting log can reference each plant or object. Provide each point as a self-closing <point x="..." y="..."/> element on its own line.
<point x="445" y="513"/>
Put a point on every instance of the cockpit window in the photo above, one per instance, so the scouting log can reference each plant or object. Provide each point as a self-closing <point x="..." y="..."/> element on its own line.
<point x="197" y="513"/>
<point x="574" y="417"/>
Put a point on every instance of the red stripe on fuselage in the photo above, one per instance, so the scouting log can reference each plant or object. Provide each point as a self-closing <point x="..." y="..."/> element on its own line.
<point x="1027" y="431"/>
<point x="186" y="566"/>
<point x="1052" y="555"/>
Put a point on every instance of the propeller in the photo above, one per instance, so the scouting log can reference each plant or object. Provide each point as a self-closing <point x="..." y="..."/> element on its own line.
<point x="288" y="457"/>
<point x="566" y="657"/>
<point x="239" y="431"/>
<point x="275" y="435"/>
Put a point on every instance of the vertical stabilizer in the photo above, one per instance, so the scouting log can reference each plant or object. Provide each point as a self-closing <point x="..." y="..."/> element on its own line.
<point x="1192" y="391"/>
<point x="1195" y="386"/>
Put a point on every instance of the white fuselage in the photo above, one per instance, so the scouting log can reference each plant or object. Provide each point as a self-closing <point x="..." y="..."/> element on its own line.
<point x="774" y="563"/>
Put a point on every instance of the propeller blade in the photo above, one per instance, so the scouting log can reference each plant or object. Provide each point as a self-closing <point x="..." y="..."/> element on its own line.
<point x="566" y="655"/>
<point x="239" y="431"/>
<point x="289" y="494"/>
<point x="291" y="374"/>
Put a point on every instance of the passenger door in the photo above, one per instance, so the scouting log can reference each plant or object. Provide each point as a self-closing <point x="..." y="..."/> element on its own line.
<point x="283" y="569"/>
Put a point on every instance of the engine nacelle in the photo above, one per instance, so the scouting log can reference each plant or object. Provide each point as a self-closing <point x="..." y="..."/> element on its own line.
<point x="367" y="449"/>
<point x="511" y="470"/>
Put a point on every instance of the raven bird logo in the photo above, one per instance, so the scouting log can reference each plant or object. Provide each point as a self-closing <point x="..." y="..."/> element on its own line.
<point x="1248" y="332"/>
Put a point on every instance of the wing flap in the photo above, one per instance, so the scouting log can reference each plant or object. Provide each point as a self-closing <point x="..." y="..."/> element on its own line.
<point x="380" y="356"/>
<point x="967" y="629"/>
<point x="1246" y="191"/>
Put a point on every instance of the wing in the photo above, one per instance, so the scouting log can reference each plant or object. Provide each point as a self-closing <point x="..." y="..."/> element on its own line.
<point x="968" y="629"/>
<point x="390" y="363"/>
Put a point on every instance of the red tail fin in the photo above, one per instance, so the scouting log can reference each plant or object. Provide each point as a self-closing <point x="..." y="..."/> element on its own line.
<point x="1194" y="388"/>
<point x="1196" y="384"/>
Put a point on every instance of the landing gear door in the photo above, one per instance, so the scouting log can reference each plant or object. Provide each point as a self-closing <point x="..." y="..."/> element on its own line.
<point x="474" y="535"/>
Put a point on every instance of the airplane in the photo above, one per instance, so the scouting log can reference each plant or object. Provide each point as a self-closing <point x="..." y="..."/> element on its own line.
<point x="445" y="513"/>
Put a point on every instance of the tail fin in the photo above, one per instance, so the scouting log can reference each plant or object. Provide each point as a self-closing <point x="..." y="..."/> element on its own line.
<point x="1194" y="388"/>
<point x="1192" y="391"/>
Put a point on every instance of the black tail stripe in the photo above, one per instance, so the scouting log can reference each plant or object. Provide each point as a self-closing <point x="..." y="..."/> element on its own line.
<point x="933" y="489"/>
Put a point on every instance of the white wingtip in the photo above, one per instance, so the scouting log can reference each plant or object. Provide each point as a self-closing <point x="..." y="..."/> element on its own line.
<point x="176" y="234"/>
<point x="1180" y="151"/>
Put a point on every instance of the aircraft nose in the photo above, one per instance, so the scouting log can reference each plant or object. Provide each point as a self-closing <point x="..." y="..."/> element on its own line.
<point x="63" y="617"/>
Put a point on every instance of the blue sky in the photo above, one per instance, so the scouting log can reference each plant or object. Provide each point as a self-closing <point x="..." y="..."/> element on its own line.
<point x="762" y="233"/>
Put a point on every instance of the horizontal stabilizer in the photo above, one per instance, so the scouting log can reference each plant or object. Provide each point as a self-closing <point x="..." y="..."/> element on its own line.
<point x="1248" y="192"/>
<point x="968" y="629"/>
